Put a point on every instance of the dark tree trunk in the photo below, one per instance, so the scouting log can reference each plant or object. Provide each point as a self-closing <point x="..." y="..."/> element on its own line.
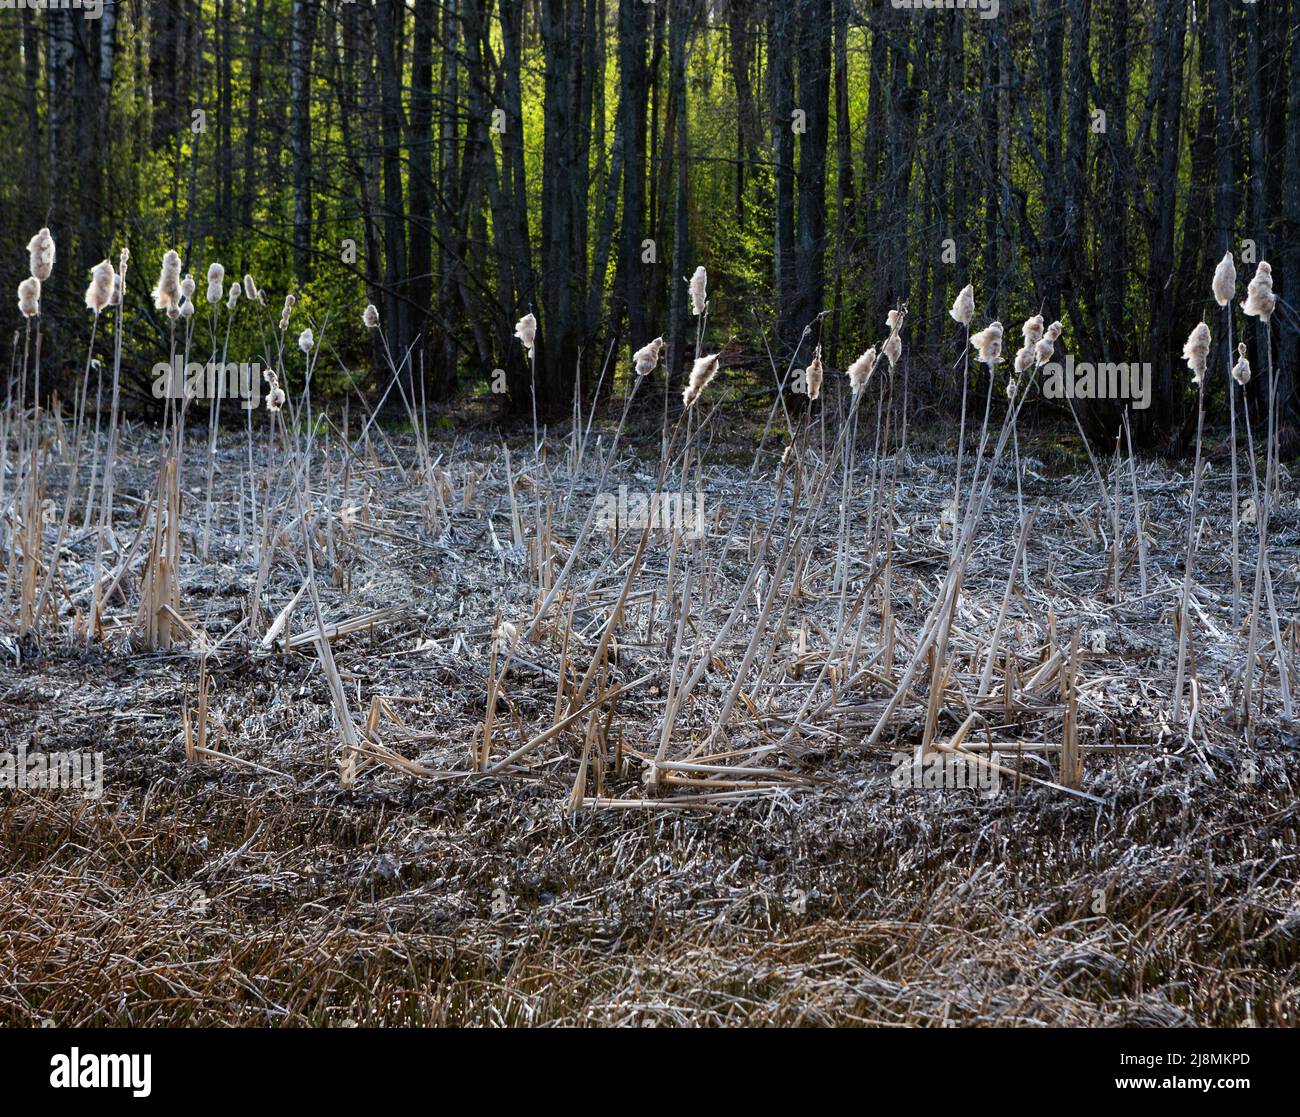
<point x="814" y="49"/>
<point x="780" y="82"/>
<point x="303" y="34"/>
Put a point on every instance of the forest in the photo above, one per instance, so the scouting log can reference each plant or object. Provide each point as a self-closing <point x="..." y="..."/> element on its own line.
<point x="460" y="163"/>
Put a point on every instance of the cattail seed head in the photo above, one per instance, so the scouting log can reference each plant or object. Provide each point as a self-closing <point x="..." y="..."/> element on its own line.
<point x="1260" y="299"/>
<point x="526" y="332"/>
<point x="1241" y="370"/>
<point x="1045" y="349"/>
<point x="814" y="374"/>
<point x="963" y="310"/>
<point x="645" y="358"/>
<point x="699" y="285"/>
<point x="187" y="307"/>
<point x="860" y="370"/>
<point x="1032" y="330"/>
<point x="1225" y="280"/>
<point x="988" y="343"/>
<point x="115" y="299"/>
<point x="40" y="250"/>
<point x="275" y="397"/>
<point x="187" y="286"/>
<point x="167" y="294"/>
<point x="100" y="292"/>
<point x="893" y="349"/>
<point x="370" y="317"/>
<point x="235" y="291"/>
<point x="29" y="297"/>
<point x="702" y="372"/>
<point x="1195" y="351"/>
<point x="894" y="319"/>
<point x="1025" y="358"/>
<point x="250" y="288"/>
<point x="216" y="282"/>
<point x="306" y="340"/>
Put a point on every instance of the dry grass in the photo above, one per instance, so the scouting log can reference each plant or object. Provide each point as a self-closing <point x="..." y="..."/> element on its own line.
<point x="447" y="877"/>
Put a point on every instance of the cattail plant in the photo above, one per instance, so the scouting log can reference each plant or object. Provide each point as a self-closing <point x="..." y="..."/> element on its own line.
<point x="1224" y="288"/>
<point x="526" y="332"/>
<point x="167" y="291"/>
<point x="216" y="277"/>
<point x="1196" y="351"/>
<point x="646" y="358"/>
<point x="699" y="286"/>
<point x="110" y="454"/>
<point x="702" y="374"/>
<point x="40" y="251"/>
<point x="29" y="297"/>
<point x="815" y="374"/>
<point x="1260" y="303"/>
<point x="988" y="351"/>
<point x="216" y="282"/>
<point x="99" y="297"/>
<point x="963" y="310"/>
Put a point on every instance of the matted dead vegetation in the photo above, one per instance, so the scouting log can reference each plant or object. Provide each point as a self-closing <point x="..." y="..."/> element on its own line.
<point x="659" y="806"/>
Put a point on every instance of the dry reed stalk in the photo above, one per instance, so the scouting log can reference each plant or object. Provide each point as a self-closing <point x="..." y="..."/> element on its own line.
<point x="1195" y="351"/>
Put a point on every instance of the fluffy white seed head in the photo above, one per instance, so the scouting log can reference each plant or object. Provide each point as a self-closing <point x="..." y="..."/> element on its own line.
<point x="699" y="284"/>
<point x="1260" y="299"/>
<point x="306" y="340"/>
<point x="29" y="297"/>
<point x="815" y="374"/>
<point x="645" y="358"/>
<point x="526" y="332"/>
<point x="1195" y="351"/>
<point x="235" y="291"/>
<point x="894" y="319"/>
<point x="988" y="344"/>
<point x="250" y="288"/>
<point x="100" y="292"/>
<point x="1225" y="280"/>
<point x="118" y="284"/>
<point x="370" y="317"/>
<point x="860" y="370"/>
<point x="40" y="249"/>
<point x="963" y="310"/>
<point x="187" y="307"/>
<point x="702" y="372"/>
<point x="1241" y="370"/>
<point x="217" y="281"/>
<point x="167" y="294"/>
<point x="893" y="349"/>
<point x="1032" y="330"/>
<point x="1025" y="358"/>
<point x="187" y="286"/>
<point x="275" y="399"/>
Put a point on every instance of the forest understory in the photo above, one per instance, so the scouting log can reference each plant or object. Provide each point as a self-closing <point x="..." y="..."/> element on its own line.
<point x="664" y="806"/>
